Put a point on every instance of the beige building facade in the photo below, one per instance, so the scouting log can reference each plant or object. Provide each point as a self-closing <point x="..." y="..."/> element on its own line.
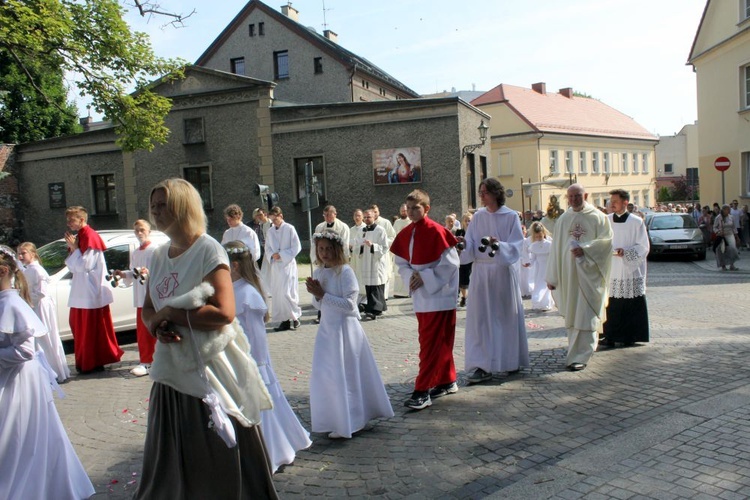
<point x="677" y="156"/>
<point x="545" y="138"/>
<point x="720" y="56"/>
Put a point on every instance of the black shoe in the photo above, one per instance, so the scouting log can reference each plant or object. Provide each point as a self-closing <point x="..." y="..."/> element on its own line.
<point x="443" y="390"/>
<point x="418" y="401"/>
<point x="316" y="321"/>
<point x="462" y="303"/>
<point x="295" y="324"/>
<point x="284" y="326"/>
<point x="576" y="367"/>
<point x="479" y="376"/>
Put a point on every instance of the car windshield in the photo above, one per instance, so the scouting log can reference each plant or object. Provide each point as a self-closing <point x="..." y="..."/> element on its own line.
<point x="684" y="221"/>
<point x="53" y="255"/>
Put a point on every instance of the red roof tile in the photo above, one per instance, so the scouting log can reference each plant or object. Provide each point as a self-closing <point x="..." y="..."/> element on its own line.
<point x="553" y="112"/>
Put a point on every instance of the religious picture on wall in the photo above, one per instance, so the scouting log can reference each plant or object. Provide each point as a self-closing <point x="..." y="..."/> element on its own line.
<point x="397" y="166"/>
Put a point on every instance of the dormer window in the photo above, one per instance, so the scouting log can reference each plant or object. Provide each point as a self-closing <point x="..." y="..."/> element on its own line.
<point x="251" y="29"/>
<point x="261" y="29"/>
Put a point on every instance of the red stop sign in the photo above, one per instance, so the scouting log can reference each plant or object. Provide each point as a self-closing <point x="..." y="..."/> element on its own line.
<point x="722" y="163"/>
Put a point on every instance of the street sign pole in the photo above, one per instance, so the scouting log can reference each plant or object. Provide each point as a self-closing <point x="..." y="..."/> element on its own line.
<point x="722" y="164"/>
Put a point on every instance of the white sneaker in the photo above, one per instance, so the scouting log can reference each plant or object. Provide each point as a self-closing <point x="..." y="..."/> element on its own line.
<point x="140" y="370"/>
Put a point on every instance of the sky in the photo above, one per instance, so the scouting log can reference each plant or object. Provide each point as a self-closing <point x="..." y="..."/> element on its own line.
<point x="630" y="54"/>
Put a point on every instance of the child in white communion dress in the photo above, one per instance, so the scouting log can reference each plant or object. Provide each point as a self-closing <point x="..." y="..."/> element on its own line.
<point x="346" y="390"/>
<point x="282" y="431"/>
<point x="38" y="460"/>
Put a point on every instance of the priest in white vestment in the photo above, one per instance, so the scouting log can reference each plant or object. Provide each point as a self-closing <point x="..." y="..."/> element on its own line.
<point x="627" y="312"/>
<point x="390" y="234"/>
<point x="578" y="273"/>
<point x="356" y="238"/>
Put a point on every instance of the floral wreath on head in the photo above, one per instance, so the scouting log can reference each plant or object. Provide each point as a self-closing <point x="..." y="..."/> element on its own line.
<point x="329" y="235"/>
<point x="237" y="250"/>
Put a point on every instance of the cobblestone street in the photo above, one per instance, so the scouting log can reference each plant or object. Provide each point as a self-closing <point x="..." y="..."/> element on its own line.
<point x="668" y="419"/>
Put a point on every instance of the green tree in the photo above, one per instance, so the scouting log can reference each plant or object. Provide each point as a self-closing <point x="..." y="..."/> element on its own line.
<point x="26" y="115"/>
<point x="663" y="194"/>
<point x="90" y="41"/>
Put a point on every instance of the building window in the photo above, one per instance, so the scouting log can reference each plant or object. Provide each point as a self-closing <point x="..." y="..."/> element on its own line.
<point x="668" y="168"/>
<point x="745" y="13"/>
<point x="318" y="173"/>
<point x="105" y="197"/>
<point x="635" y="163"/>
<point x="194" y="131"/>
<point x="200" y="178"/>
<point x="746" y="85"/>
<point x="261" y="29"/>
<point x="606" y="164"/>
<point x="644" y="163"/>
<point x="582" y="167"/>
<point x="553" y="161"/>
<point x="237" y="65"/>
<point x="281" y="64"/>
<point x="569" y="162"/>
<point x="595" y="162"/>
<point x="251" y="29"/>
<point x="318" y="65"/>
<point x="745" y="174"/>
<point x="504" y="166"/>
<point x="382" y="91"/>
<point x="624" y="163"/>
<point x="365" y="84"/>
<point x="646" y="200"/>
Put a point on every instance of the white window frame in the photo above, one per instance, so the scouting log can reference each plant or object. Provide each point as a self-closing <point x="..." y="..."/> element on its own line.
<point x="745" y="85"/>
<point x="569" y="162"/>
<point x="553" y="161"/>
<point x="595" y="162"/>
<point x="644" y="163"/>
<point x="606" y="163"/>
<point x="745" y="156"/>
<point x="744" y="9"/>
<point x="582" y="167"/>
<point x="624" y="163"/>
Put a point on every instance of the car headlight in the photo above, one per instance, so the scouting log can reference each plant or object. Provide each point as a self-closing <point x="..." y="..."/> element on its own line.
<point x="697" y="236"/>
<point x="656" y="239"/>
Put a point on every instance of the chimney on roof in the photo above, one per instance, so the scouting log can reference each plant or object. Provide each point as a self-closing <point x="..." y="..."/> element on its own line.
<point x="86" y="122"/>
<point x="331" y="36"/>
<point x="567" y="92"/>
<point x="540" y="88"/>
<point x="290" y="12"/>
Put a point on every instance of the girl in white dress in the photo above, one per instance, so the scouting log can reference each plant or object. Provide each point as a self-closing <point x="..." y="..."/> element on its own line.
<point x="38" y="460"/>
<point x="282" y="431"/>
<point x="44" y="306"/>
<point x="541" y="296"/>
<point x="346" y="390"/>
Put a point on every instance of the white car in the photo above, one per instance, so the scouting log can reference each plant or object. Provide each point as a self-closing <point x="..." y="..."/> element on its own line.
<point x="120" y="243"/>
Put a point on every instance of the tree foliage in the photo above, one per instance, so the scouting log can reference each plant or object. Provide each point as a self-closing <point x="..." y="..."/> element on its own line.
<point x="90" y="41"/>
<point x="26" y="115"/>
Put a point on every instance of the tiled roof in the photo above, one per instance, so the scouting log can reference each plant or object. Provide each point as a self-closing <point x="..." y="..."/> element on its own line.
<point x="346" y="57"/>
<point x="555" y="113"/>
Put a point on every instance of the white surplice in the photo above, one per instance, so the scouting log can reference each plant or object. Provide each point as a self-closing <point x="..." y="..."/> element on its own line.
<point x="495" y="329"/>
<point x="356" y="237"/>
<point x="398" y="287"/>
<point x="374" y="258"/>
<point x="283" y="273"/>
<point x="346" y="389"/>
<point x="627" y="278"/>
<point x="246" y="235"/>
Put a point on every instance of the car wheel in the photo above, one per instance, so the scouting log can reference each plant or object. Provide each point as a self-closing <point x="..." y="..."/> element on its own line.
<point x="701" y="255"/>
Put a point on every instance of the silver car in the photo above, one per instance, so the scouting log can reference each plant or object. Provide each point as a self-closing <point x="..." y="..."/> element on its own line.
<point x="120" y="243"/>
<point x="675" y="234"/>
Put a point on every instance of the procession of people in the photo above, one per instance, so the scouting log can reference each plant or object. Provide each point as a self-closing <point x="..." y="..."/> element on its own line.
<point x="207" y="376"/>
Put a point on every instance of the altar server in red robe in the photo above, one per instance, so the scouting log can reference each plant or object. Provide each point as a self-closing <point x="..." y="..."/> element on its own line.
<point x="90" y="296"/>
<point x="428" y="264"/>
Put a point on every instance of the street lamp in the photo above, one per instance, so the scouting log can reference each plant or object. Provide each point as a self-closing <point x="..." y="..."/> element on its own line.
<point x="470" y="148"/>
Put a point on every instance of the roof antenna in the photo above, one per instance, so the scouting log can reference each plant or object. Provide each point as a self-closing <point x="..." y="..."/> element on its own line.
<point x="325" y="24"/>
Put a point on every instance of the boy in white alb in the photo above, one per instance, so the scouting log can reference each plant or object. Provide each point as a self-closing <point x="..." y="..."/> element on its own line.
<point x="140" y="262"/>
<point x="282" y="246"/>
<point x="238" y="231"/>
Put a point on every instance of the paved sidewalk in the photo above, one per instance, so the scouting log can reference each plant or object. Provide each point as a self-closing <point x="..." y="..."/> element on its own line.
<point x="668" y="419"/>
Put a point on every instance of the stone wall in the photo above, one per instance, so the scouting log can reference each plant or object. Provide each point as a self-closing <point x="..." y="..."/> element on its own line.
<point x="11" y="220"/>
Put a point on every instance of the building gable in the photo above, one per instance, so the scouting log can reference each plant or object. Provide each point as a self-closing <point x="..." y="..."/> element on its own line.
<point x="721" y="22"/>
